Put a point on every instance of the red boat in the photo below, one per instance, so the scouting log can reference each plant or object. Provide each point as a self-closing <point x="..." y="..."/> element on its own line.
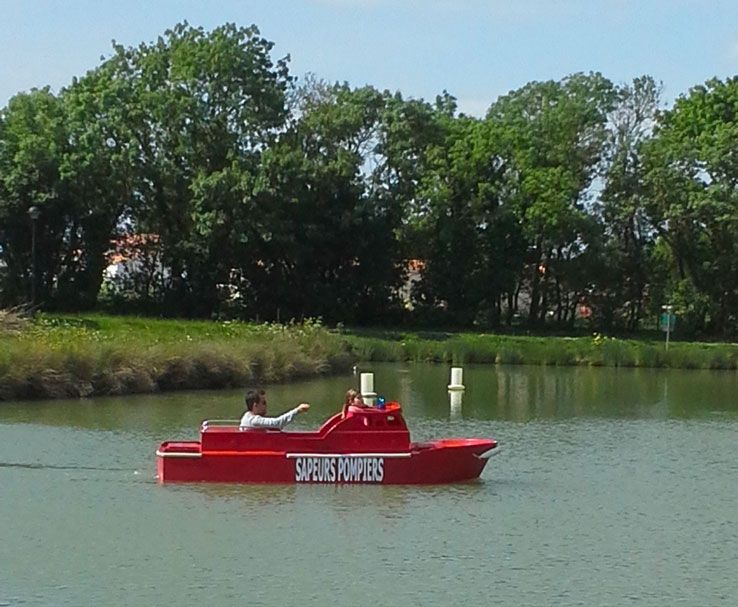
<point x="357" y="445"/>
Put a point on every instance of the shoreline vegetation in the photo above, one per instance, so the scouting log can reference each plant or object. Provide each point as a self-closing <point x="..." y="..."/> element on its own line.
<point x="54" y="356"/>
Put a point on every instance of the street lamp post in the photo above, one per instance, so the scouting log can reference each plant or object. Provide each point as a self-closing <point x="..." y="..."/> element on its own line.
<point x="33" y="213"/>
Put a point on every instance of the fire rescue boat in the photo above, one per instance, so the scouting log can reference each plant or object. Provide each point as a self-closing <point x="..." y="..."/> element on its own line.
<point x="358" y="445"/>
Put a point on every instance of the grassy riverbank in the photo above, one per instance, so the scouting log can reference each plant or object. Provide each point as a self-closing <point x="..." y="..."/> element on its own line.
<point x="54" y="356"/>
<point x="58" y="357"/>
<point x="597" y="351"/>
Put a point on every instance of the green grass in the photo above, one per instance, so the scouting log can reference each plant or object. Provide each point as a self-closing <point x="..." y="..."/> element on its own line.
<point x="54" y="356"/>
<point x="554" y="351"/>
<point x="74" y="356"/>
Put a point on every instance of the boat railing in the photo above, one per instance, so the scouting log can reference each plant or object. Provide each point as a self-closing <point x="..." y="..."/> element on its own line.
<point x="210" y="423"/>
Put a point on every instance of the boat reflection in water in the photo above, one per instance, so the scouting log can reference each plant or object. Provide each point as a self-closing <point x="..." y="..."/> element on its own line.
<point x="455" y="398"/>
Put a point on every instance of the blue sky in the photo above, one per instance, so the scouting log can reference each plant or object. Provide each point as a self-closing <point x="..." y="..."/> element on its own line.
<point x="475" y="49"/>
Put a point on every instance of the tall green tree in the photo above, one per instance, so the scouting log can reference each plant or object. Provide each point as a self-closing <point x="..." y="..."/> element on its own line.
<point x="621" y="284"/>
<point x="474" y="241"/>
<point x="101" y="169"/>
<point x="552" y="134"/>
<point x="327" y="246"/>
<point x="33" y="140"/>
<point x="208" y="104"/>
<point x="408" y="132"/>
<point x="692" y="176"/>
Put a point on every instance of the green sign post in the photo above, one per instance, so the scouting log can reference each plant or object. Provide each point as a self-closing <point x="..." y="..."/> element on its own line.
<point x="667" y="322"/>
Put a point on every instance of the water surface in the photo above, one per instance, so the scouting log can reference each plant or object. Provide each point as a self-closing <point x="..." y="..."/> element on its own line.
<point x="615" y="486"/>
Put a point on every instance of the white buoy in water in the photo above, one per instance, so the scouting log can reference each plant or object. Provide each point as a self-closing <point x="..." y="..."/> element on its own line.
<point x="457" y="381"/>
<point x="367" y="385"/>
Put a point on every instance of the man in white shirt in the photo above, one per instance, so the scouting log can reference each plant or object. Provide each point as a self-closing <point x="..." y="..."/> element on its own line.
<point x="255" y="416"/>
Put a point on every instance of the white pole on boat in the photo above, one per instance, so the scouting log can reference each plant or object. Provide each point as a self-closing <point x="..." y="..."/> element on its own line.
<point x="457" y="379"/>
<point x="367" y="387"/>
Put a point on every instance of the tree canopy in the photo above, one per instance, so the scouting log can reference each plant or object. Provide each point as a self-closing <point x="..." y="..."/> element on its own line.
<point x="222" y="185"/>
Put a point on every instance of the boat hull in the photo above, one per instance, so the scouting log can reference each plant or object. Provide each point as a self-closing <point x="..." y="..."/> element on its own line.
<point x="357" y="445"/>
<point x="443" y="461"/>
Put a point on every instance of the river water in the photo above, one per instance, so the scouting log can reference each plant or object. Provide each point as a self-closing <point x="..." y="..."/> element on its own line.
<point x="614" y="487"/>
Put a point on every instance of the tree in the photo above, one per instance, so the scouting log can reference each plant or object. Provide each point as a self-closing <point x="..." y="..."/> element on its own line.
<point x="33" y="140"/>
<point x="101" y="169"/>
<point x="473" y="241"/>
<point x="624" y="275"/>
<point x="692" y="179"/>
<point x="552" y="135"/>
<point x="407" y="139"/>
<point x="327" y="247"/>
<point x="162" y="139"/>
<point x="208" y="104"/>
